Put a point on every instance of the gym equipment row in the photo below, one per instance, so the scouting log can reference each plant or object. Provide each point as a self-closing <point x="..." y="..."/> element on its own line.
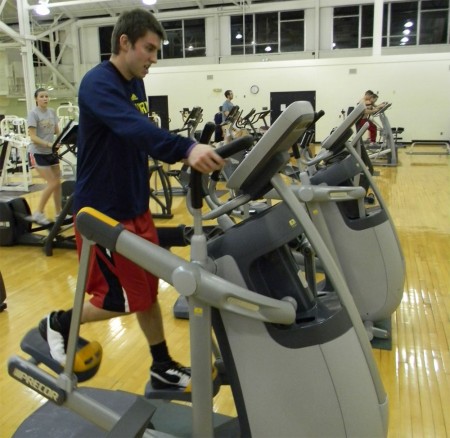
<point x="286" y="350"/>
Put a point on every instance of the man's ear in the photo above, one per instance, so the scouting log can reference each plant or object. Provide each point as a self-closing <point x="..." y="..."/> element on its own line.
<point x="124" y="42"/>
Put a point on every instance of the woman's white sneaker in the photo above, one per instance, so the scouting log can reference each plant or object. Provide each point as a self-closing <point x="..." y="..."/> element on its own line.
<point x="40" y="218"/>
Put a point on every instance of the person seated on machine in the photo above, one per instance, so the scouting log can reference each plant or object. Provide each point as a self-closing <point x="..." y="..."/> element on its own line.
<point x="218" y="132"/>
<point x="115" y="139"/>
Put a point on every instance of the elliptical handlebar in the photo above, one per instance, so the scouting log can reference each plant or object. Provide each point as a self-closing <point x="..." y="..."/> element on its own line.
<point x="381" y="110"/>
<point x="233" y="115"/>
<point x="188" y="278"/>
<point x="225" y="151"/>
<point x="261" y="115"/>
<point x="307" y="136"/>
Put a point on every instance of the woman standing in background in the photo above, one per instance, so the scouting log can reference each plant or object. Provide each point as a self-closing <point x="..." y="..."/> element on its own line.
<point x="42" y="127"/>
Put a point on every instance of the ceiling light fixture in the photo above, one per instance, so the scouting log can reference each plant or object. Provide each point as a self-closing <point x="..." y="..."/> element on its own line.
<point x="42" y="8"/>
<point x="149" y="2"/>
<point x="239" y="36"/>
<point x="409" y="23"/>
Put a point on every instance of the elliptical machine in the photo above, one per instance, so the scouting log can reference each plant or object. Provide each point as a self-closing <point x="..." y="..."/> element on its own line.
<point x="279" y="341"/>
<point x="360" y="234"/>
<point x="15" y="226"/>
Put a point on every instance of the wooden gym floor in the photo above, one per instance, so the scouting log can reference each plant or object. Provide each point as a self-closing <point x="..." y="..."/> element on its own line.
<point x="416" y="372"/>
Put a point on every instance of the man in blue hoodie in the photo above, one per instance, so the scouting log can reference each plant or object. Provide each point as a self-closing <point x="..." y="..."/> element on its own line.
<point x="115" y="139"/>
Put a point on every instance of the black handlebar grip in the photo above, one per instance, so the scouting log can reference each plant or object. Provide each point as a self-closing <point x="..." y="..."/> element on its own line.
<point x="235" y="146"/>
<point x="207" y="132"/>
<point x="224" y="151"/>
<point x="196" y="177"/>
<point x="318" y="115"/>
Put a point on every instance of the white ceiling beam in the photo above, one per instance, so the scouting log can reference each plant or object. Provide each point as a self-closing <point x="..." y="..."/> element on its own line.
<point x="69" y="3"/>
<point x="53" y="69"/>
<point x="59" y="26"/>
<point x="13" y="34"/>
<point x="2" y="5"/>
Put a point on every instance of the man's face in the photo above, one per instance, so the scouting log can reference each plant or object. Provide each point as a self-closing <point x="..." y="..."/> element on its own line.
<point x="139" y="58"/>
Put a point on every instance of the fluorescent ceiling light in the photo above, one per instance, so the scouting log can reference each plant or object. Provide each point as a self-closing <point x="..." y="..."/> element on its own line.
<point x="149" y="2"/>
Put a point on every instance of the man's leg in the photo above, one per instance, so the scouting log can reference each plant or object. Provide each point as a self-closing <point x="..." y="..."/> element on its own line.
<point x="92" y="313"/>
<point x="151" y="324"/>
<point x="164" y="372"/>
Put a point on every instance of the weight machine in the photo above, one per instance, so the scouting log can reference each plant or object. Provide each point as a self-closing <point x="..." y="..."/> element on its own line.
<point x="13" y="154"/>
<point x="15" y="225"/>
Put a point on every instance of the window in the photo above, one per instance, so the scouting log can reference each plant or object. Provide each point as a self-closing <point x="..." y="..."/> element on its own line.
<point x="173" y="46"/>
<point x="104" y="36"/>
<point x="434" y="22"/>
<point x="272" y="32"/>
<point x="415" y="23"/>
<point x="353" y="27"/>
<point x="242" y="39"/>
<point x="185" y="39"/>
<point x="292" y="31"/>
<point x="403" y="19"/>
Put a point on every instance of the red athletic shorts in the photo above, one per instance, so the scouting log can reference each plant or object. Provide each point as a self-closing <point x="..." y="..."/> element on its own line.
<point x="116" y="283"/>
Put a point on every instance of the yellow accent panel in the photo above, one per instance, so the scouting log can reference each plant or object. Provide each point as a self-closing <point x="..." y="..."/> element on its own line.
<point x="100" y="216"/>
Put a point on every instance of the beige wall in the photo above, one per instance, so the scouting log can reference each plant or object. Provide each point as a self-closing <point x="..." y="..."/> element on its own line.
<point x="417" y="85"/>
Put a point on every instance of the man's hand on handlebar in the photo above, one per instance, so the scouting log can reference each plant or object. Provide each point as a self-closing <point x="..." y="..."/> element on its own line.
<point x="204" y="159"/>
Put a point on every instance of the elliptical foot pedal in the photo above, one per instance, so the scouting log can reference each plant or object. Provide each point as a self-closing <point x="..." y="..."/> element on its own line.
<point x="87" y="359"/>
